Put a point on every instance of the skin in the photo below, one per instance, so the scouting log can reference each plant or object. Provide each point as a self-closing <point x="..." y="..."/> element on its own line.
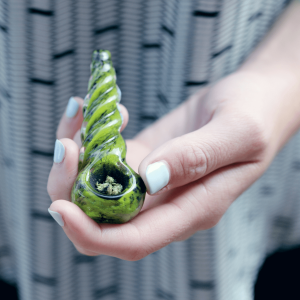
<point x="217" y="143"/>
<point x="105" y="151"/>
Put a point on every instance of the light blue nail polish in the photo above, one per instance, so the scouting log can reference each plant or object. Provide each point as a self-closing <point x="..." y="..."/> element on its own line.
<point x="59" y="152"/>
<point x="158" y="176"/>
<point x="57" y="217"/>
<point x="72" y="108"/>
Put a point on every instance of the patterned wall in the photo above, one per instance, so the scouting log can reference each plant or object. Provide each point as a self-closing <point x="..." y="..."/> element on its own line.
<point x="163" y="51"/>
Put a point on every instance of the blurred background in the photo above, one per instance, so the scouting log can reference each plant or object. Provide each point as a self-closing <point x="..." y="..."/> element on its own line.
<point x="163" y="52"/>
<point x="278" y="278"/>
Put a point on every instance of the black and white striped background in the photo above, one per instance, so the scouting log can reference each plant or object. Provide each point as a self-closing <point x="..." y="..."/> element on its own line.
<point x="163" y="51"/>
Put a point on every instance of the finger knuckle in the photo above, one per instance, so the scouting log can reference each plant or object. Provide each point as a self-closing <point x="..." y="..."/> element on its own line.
<point x="72" y="175"/>
<point x="51" y="191"/>
<point x="212" y="221"/>
<point x="207" y="220"/>
<point x="193" y="159"/>
<point x="256" y="134"/>
<point x="80" y="250"/>
<point x="210" y="212"/>
<point x="85" y="251"/>
<point x="137" y="253"/>
<point x="136" y="246"/>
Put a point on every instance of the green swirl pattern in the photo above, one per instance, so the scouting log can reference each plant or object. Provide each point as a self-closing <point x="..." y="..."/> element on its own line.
<point x="103" y="152"/>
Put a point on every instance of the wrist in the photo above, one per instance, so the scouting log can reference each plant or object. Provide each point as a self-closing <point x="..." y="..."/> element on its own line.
<point x="280" y="83"/>
<point x="279" y="50"/>
<point x="274" y="71"/>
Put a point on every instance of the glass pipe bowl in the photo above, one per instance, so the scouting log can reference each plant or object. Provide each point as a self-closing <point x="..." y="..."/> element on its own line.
<point x="104" y="208"/>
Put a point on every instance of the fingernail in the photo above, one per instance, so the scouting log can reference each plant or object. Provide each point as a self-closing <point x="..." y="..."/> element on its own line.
<point x="119" y="109"/>
<point x="59" y="152"/>
<point x="157" y="176"/>
<point x="72" y="108"/>
<point x="57" y="217"/>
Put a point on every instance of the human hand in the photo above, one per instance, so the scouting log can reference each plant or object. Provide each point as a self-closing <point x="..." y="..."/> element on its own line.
<point x="215" y="146"/>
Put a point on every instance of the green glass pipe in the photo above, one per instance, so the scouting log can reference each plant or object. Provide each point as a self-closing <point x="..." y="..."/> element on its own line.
<point x="107" y="189"/>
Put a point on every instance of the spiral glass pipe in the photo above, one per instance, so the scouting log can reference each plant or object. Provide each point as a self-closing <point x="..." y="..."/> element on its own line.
<point x="106" y="188"/>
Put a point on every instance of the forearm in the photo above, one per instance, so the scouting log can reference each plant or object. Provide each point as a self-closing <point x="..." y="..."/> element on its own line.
<point x="273" y="69"/>
<point x="277" y="60"/>
<point x="280" y="47"/>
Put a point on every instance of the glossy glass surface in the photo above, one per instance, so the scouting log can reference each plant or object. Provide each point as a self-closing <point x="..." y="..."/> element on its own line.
<point x="104" y="150"/>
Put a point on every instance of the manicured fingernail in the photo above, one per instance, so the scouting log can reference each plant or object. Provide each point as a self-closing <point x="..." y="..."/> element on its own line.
<point x="59" y="152"/>
<point x="157" y="176"/>
<point x="119" y="109"/>
<point x="72" y="108"/>
<point x="57" y="217"/>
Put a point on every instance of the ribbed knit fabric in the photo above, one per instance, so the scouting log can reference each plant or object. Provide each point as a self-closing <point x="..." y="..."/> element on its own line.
<point x="163" y="51"/>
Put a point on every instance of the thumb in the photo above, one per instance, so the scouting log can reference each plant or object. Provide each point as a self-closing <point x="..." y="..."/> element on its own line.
<point x="188" y="158"/>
